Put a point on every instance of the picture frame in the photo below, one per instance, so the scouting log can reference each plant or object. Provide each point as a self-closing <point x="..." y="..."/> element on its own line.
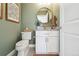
<point x="12" y="12"/>
<point x="1" y="10"/>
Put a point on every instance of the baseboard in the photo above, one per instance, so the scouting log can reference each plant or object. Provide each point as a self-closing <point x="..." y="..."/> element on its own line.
<point x="47" y="54"/>
<point x="31" y="45"/>
<point x="12" y="53"/>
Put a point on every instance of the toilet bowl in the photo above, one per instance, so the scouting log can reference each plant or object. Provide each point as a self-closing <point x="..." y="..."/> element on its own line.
<point x="23" y="46"/>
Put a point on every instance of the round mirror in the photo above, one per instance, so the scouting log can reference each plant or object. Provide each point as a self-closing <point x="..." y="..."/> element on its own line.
<point x="44" y="15"/>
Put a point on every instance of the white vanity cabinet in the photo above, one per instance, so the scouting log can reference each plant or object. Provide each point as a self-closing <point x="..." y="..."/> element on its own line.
<point x="47" y="42"/>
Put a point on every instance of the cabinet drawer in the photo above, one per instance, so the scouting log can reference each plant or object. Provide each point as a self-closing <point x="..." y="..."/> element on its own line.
<point x="47" y="33"/>
<point x="53" y="33"/>
<point x="42" y="33"/>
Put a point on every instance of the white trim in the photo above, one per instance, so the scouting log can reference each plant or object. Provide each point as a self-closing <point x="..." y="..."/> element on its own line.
<point x="14" y="51"/>
<point x="11" y="53"/>
<point x="31" y="45"/>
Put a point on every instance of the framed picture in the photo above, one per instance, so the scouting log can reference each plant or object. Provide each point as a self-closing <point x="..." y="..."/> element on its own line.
<point x="1" y="10"/>
<point x="12" y="12"/>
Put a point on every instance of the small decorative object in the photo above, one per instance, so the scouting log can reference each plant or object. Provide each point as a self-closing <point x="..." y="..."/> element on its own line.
<point x="53" y="21"/>
<point x="12" y="12"/>
<point x="27" y="29"/>
<point x="1" y="10"/>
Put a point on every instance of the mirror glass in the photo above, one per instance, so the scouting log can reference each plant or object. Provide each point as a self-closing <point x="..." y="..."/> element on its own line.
<point x="44" y="15"/>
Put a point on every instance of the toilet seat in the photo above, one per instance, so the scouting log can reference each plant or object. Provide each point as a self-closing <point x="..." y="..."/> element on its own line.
<point x="21" y="44"/>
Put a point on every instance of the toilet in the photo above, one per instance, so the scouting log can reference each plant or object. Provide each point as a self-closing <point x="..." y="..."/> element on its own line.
<point x="23" y="46"/>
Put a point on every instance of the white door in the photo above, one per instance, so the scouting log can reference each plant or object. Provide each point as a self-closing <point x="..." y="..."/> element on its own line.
<point x="69" y="33"/>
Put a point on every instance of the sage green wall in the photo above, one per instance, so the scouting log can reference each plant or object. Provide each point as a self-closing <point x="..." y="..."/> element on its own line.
<point x="28" y="15"/>
<point x="9" y="35"/>
<point x="29" y="11"/>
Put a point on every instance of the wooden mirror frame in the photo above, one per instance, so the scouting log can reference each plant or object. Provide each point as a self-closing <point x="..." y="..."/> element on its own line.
<point x="48" y="13"/>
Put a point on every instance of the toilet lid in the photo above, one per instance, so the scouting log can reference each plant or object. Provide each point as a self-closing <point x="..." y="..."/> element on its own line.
<point x="20" y="43"/>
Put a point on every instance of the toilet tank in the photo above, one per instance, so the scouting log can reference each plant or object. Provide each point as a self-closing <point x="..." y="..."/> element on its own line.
<point x="26" y="35"/>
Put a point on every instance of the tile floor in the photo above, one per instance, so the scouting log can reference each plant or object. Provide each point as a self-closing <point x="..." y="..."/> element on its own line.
<point x="31" y="51"/>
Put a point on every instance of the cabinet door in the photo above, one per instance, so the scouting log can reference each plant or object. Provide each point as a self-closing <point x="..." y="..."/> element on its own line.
<point x="40" y="45"/>
<point x="53" y="45"/>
